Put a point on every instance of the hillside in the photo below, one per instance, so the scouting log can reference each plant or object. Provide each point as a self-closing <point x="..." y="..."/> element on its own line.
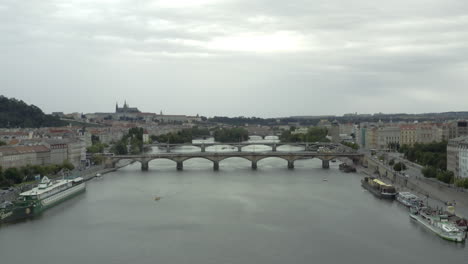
<point x="16" y="113"/>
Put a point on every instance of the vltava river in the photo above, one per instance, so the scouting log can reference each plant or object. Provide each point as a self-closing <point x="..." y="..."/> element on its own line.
<point x="234" y="215"/>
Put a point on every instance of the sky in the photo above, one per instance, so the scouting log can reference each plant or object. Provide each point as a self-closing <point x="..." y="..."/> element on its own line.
<point x="236" y="57"/>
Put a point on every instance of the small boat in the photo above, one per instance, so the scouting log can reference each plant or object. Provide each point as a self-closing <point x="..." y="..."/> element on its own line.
<point x="98" y="175"/>
<point x="408" y="199"/>
<point x="346" y="168"/>
<point x="157" y="198"/>
<point x="325" y="179"/>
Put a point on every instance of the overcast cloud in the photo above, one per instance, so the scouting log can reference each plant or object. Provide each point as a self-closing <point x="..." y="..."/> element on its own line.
<point x="236" y="57"/>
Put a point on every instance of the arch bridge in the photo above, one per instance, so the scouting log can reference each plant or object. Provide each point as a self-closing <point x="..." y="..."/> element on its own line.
<point x="274" y="145"/>
<point x="217" y="157"/>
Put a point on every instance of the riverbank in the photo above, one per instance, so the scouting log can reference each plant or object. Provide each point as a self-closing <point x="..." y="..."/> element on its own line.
<point x="87" y="175"/>
<point x="437" y="194"/>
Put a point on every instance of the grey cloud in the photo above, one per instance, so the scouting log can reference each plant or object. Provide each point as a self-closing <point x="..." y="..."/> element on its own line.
<point x="237" y="57"/>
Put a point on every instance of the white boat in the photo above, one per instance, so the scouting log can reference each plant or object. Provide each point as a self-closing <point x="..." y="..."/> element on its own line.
<point x="437" y="223"/>
<point x="408" y="199"/>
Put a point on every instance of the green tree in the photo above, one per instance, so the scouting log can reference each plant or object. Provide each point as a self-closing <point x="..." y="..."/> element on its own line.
<point x="96" y="148"/>
<point x="429" y="172"/>
<point x="97" y="159"/>
<point x="2" y="143"/>
<point x="67" y="165"/>
<point x="432" y="154"/>
<point x="234" y="134"/>
<point x="391" y="162"/>
<point x="445" y="176"/>
<point x="13" y="175"/>
<point x="399" y="166"/>
<point x="120" y="148"/>
<point x="351" y="145"/>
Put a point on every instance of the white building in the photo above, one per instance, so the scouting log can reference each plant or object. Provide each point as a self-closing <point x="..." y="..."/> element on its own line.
<point x="463" y="160"/>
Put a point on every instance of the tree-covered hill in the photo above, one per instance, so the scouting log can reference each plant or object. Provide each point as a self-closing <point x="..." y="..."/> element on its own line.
<point x="16" y="113"/>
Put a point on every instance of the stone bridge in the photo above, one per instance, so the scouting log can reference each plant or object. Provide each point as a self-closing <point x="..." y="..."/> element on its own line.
<point x="217" y="157"/>
<point x="239" y="146"/>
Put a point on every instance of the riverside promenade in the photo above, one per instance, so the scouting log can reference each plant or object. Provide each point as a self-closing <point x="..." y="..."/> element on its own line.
<point x="438" y="193"/>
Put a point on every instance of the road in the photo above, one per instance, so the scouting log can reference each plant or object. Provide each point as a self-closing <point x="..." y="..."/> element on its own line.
<point x="439" y="193"/>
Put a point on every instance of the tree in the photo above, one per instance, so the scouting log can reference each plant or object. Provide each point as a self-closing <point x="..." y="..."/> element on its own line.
<point x="445" y="176"/>
<point x="13" y="175"/>
<point x="2" y="143"/>
<point x="399" y="166"/>
<point x="429" y="172"/>
<point x="97" y="159"/>
<point x="391" y="162"/>
<point x="120" y="148"/>
<point x="67" y="165"/>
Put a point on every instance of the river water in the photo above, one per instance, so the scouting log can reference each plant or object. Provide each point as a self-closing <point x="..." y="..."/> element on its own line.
<point x="234" y="215"/>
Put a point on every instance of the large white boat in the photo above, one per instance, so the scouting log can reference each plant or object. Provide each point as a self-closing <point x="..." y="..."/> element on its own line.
<point x="47" y="194"/>
<point x="437" y="223"/>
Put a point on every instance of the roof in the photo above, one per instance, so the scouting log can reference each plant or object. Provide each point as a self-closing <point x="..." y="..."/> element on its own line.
<point x="17" y="150"/>
<point x="379" y="182"/>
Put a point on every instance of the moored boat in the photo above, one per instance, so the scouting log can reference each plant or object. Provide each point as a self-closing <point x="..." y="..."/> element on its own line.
<point x="47" y="194"/>
<point x="437" y="223"/>
<point x="408" y="199"/>
<point x="378" y="188"/>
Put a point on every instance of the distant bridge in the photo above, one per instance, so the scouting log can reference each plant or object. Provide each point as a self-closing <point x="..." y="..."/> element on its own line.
<point x="217" y="157"/>
<point x="240" y="145"/>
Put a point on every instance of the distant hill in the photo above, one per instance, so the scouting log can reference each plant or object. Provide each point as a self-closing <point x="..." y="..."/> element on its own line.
<point x="16" y="113"/>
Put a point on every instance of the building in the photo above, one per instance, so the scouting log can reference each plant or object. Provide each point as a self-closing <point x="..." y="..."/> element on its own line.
<point x="388" y="136"/>
<point x="426" y="133"/>
<point x="125" y="109"/>
<point x="335" y="132"/>
<point x="458" y="129"/>
<point x="463" y="159"/>
<point x="408" y="134"/>
<point x="371" y="137"/>
<point x="20" y="156"/>
<point x="453" y="154"/>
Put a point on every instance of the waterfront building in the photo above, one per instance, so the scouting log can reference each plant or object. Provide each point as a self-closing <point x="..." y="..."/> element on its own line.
<point x="408" y="134"/>
<point x="458" y="129"/>
<point x="361" y="135"/>
<point x="463" y="159"/>
<point x="387" y="136"/>
<point x="371" y="137"/>
<point x="335" y="132"/>
<point x="19" y="156"/>
<point x="425" y="133"/>
<point x="454" y="147"/>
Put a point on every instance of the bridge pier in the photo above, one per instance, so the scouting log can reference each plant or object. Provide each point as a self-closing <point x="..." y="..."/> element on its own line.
<point x="168" y="148"/>
<point x="215" y="165"/>
<point x="239" y="148"/>
<point x="144" y="166"/>
<point x="254" y="165"/>
<point x="203" y="148"/>
<point x="290" y="164"/>
<point x="180" y="165"/>
<point x="110" y="164"/>
<point x="273" y="148"/>
<point x="325" y="164"/>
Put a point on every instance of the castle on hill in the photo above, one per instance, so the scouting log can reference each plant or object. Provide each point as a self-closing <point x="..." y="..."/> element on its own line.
<point x="125" y="109"/>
